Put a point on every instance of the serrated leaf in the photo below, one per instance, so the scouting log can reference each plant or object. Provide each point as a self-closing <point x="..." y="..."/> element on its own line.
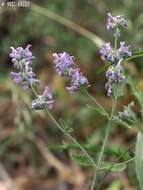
<point x="139" y="159"/>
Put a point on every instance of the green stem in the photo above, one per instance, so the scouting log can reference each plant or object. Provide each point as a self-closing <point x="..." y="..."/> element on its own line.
<point x="103" y="145"/>
<point x="95" y="101"/>
<point x="119" y="164"/>
<point x="134" y="56"/>
<point x="121" y="156"/>
<point x="61" y="129"/>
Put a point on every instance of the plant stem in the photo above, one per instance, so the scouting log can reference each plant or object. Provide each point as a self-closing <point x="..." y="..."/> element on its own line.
<point x="121" y="156"/>
<point x="61" y="129"/>
<point x="103" y="145"/>
<point x="134" y="56"/>
<point x="95" y="101"/>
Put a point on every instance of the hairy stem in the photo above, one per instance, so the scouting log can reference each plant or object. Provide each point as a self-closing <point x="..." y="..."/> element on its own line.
<point x="61" y="129"/>
<point x="134" y="57"/>
<point x="96" y="102"/>
<point x="103" y="145"/>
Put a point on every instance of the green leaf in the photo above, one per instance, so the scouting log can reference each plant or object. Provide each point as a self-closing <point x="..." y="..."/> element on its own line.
<point x="97" y="110"/>
<point x="82" y="160"/>
<point x="119" y="167"/>
<point x="136" y="92"/>
<point x="124" y="124"/>
<point x="65" y="126"/>
<point x="115" y="185"/>
<point x="139" y="159"/>
<point x="104" y="68"/>
<point x="66" y="146"/>
<point x="118" y="90"/>
<point x="135" y="55"/>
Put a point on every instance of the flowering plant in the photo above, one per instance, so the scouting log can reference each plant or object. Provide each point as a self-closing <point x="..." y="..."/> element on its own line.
<point x="65" y="66"/>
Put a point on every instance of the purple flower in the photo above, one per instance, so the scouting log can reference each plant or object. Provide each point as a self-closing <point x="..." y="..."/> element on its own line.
<point x="43" y="101"/>
<point x="16" y="77"/>
<point x="47" y="94"/>
<point x="25" y="85"/>
<point x="22" y="59"/>
<point x="121" y="21"/>
<point x="127" y="113"/>
<point x="115" y="75"/>
<point x="65" y="66"/>
<point x="77" y="81"/>
<point x="114" y="22"/>
<point x="21" y="55"/>
<point x="107" y="53"/>
<point x="63" y="63"/>
<point x="124" y="51"/>
<point x="108" y="87"/>
<point x="111" y="22"/>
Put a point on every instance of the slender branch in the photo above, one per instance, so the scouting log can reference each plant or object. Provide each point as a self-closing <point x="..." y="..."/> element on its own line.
<point x="134" y="56"/>
<point x="96" y="102"/>
<point x="107" y="129"/>
<point x="103" y="145"/>
<point x="61" y="129"/>
<point x="121" y="156"/>
<point x="119" y="164"/>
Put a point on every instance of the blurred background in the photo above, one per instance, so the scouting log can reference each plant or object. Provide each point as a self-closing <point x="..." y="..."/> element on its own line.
<point x="34" y="154"/>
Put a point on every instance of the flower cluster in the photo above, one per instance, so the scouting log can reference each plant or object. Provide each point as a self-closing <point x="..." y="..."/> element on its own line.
<point x="77" y="81"/>
<point x="21" y="55"/>
<point x="107" y="53"/>
<point x="115" y="75"/>
<point x="116" y="56"/>
<point x="63" y="63"/>
<point x="110" y="55"/>
<point x="124" y="51"/>
<point x="43" y="101"/>
<point x="114" y="23"/>
<point x="65" y="66"/>
<point x="127" y="113"/>
<point x="22" y="59"/>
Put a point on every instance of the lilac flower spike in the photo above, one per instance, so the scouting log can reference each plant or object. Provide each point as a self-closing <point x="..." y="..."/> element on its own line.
<point x="77" y="81"/>
<point x="65" y="66"/>
<point x="111" y="22"/>
<point x="124" y="51"/>
<point x="21" y="55"/>
<point x="22" y="59"/>
<point x="110" y="55"/>
<point x="115" y="75"/>
<point x="47" y="93"/>
<point x="43" y="101"/>
<point x="63" y="63"/>
<point x="115" y="21"/>
<point x="107" y="52"/>
<point x="127" y="113"/>
<point x="16" y="77"/>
